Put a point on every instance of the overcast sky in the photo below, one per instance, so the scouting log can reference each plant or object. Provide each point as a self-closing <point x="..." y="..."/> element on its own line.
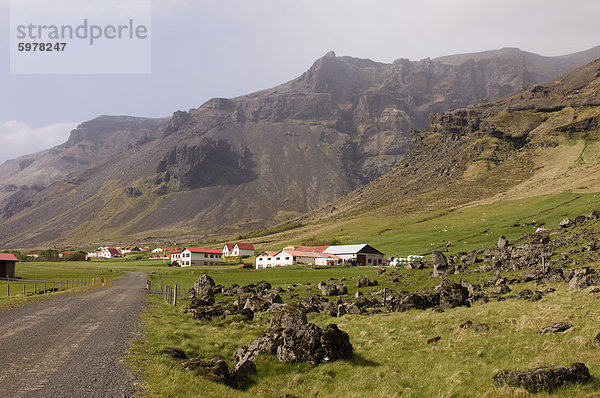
<point x="225" y="48"/>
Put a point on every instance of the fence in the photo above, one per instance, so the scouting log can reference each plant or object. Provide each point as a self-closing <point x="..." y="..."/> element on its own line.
<point x="27" y="288"/>
<point x="171" y="294"/>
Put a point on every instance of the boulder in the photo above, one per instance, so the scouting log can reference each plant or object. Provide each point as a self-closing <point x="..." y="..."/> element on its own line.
<point x="214" y="369"/>
<point x="440" y="264"/>
<point x="239" y="377"/>
<point x="364" y="281"/>
<point x="416" y="264"/>
<point x="502" y="242"/>
<point x="583" y="277"/>
<point x="452" y="294"/>
<point x="556" y="328"/>
<point x="292" y="339"/>
<point x="566" y="223"/>
<point x="204" y="286"/>
<point x="545" y="378"/>
<point x="335" y="289"/>
<point x="503" y="289"/>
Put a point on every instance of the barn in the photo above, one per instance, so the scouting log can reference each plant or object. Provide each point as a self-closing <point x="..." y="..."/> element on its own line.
<point x="7" y="265"/>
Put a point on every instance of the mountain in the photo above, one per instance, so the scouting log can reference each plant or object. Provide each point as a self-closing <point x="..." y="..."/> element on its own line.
<point x="243" y="163"/>
<point x="90" y="144"/>
<point x="541" y="141"/>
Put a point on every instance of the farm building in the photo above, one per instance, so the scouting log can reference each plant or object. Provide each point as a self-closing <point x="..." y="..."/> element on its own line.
<point x="7" y="265"/>
<point x="238" y="250"/>
<point x="228" y="249"/>
<point x="243" y="249"/>
<point x="175" y="257"/>
<point x="193" y="256"/>
<point x="266" y="259"/>
<point x="109" y="252"/>
<point x="362" y="254"/>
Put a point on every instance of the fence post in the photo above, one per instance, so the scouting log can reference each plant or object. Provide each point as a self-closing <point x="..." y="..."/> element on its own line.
<point x="175" y="296"/>
<point x="7" y="289"/>
<point x="24" y="290"/>
<point x="34" y="289"/>
<point x="44" y="287"/>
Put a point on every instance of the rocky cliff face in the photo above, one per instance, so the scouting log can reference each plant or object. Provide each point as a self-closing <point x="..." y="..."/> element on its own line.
<point x="241" y="163"/>
<point x="542" y="140"/>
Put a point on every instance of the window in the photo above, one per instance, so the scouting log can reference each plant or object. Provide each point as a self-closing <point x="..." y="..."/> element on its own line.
<point x="369" y="261"/>
<point x="269" y="258"/>
<point x="287" y="258"/>
<point x="206" y="256"/>
<point x="277" y="258"/>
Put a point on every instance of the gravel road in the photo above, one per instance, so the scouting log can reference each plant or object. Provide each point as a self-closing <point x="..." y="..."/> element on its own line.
<point x="72" y="345"/>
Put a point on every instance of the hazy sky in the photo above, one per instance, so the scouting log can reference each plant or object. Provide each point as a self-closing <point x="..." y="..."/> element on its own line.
<point x="225" y="48"/>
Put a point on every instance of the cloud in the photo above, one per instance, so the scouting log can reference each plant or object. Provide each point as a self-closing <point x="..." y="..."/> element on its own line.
<point x="18" y="138"/>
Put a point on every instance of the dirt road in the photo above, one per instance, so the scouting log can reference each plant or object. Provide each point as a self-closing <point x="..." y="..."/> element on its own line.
<point x="71" y="345"/>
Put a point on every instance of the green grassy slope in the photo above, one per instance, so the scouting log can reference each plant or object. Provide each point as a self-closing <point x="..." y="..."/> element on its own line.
<point x="466" y="227"/>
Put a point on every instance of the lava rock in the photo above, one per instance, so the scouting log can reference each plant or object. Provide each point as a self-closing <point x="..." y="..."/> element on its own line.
<point x="364" y="281"/>
<point x="502" y="242"/>
<point x="440" y="264"/>
<point x="555" y="328"/>
<point x="292" y="339"/>
<point x="204" y="286"/>
<point x="214" y="369"/>
<point x="545" y="378"/>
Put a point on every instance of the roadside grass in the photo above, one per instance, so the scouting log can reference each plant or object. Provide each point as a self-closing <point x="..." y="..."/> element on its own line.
<point x="392" y="357"/>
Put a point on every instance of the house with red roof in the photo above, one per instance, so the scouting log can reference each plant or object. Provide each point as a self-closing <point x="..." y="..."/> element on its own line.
<point x="243" y="249"/>
<point x="194" y="256"/>
<point x="238" y="250"/>
<point x="109" y="252"/>
<point x="176" y="257"/>
<point x="266" y="259"/>
<point x="7" y="265"/>
<point x="228" y="249"/>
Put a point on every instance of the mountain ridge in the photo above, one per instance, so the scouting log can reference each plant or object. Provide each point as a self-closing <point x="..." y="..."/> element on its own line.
<point x="285" y="150"/>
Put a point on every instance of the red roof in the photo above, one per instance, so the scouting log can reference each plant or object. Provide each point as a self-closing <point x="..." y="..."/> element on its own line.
<point x="245" y="246"/>
<point x="113" y="250"/>
<point x="315" y="249"/>
<point x="229" y="246"/>
<point x="203" y="250"/>
<point x="170" y="249"/>
<point x="177" y="252"/>
<point x="269" y="253"/>
<point x="8" y="257"/>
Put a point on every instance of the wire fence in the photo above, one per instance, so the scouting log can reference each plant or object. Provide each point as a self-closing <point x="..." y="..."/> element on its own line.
<point x="29" y="288"/>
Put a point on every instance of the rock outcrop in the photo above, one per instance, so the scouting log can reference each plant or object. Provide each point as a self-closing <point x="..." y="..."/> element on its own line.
<point x="545" y="378"/>
<point x="292" y="339"/>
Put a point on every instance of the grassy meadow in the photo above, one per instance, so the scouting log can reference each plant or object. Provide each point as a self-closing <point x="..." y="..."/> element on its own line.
<point x="55" y="277"/>
<point x="466" y="228"/>
<point x="392" y="357"/>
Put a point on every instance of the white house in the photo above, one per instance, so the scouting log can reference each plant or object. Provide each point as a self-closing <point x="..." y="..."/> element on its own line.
<point x="158" y="250"/>
<point x="362" y="254"/>
<point x="266" y="259"/>
<point x="176" y="257"/>
<point x="243" y="249"/>
<point x="238" y="250"/>
<point x="228" y="249"/>
<point x="194" y="256"/>
<point x="109" y="252"/>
